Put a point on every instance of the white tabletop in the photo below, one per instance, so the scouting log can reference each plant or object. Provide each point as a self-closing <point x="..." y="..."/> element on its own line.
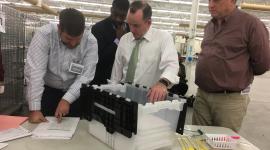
<point x="82" y="140"/>
<point x="243" y="144"/>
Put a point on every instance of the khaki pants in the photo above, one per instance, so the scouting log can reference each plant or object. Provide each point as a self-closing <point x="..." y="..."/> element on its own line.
<point x="220" y="109"/>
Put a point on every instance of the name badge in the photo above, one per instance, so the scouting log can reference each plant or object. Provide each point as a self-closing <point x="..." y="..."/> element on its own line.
<point x="76" y="68"/>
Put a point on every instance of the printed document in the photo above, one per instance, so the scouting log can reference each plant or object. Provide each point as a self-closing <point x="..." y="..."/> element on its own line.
<point x="13" y="133"/>
<point x="2" y="145"/>
<point x="54" y="130"/>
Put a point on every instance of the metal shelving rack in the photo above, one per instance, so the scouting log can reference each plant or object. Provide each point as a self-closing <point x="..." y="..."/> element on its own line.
<point x="19" y="29"/>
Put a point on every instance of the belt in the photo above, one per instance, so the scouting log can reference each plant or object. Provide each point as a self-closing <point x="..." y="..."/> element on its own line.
<point x="55" y="89"/>
<point x="226" y="91"/>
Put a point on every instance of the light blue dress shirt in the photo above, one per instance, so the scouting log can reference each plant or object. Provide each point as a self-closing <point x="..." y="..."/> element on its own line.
<point x="48" y="61"/>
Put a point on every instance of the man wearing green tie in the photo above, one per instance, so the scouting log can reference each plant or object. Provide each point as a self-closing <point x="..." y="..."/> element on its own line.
<point x="146" y="56"/>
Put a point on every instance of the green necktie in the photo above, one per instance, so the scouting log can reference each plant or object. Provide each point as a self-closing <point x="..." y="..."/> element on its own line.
<point x="133" y="62"/>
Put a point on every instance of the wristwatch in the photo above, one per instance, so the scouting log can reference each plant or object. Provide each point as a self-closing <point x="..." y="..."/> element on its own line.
<point x="165" y="82"/>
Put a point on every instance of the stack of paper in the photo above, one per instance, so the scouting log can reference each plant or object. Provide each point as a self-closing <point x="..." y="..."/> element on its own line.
<point x="54" y="130"/>
<point x="13" y="133"/>
<point x="10" y="128"/>
<point x="2" y="145"/>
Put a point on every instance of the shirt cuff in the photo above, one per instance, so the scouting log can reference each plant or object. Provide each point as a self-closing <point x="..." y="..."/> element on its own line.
<point x="69" y="97"/>
<point x="35" y="105"/>
<point x="116" y="41"/>
<point x="2" y="89"/>
<point x="173" y="78"/>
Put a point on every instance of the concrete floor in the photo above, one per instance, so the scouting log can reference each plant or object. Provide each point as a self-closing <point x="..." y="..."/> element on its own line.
<point x="255" y="127"/>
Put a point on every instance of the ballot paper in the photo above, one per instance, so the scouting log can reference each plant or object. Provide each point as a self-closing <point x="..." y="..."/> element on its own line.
<point x="2" y="145"/>
<point x="55" y="130"/>
<point x="13" y="133"/>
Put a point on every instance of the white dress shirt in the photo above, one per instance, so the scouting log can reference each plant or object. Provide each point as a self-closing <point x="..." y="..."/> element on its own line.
<point x="157" y="58"/>
<point x="48" y="62"/>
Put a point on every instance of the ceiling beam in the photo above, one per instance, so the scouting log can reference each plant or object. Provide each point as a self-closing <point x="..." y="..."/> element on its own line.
<point x="250" y="6"/>
<point x="32" y="9"/>
<point x="45" y="7"/>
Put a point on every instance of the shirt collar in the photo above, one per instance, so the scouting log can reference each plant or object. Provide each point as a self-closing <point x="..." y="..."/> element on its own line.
<point x="148" y="35"/>
<point x="226" y="18"/>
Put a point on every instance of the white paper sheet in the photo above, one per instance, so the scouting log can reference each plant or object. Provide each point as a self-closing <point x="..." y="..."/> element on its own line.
<point x="13" y="133"/>
<point x="54" y="130"/>
<point x="2" y="145"/>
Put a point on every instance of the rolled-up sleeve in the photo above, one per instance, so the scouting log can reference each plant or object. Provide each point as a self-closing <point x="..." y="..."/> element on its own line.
<point x="117" y="71"/>
<point x="35" y="69"/>
<point x="169" y="60"/>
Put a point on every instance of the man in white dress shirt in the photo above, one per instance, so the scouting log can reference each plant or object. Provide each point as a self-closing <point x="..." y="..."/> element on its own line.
<point x="60" y="58"/>
<point x="156" y="62"/>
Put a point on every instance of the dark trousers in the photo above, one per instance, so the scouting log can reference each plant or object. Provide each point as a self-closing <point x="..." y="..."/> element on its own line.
<point x="50" y="100"/>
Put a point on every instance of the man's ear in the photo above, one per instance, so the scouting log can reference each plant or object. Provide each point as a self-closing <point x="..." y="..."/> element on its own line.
<point x="58" y="27"/>
<point x="111" y="11"/>
<point x="149" y="21"/>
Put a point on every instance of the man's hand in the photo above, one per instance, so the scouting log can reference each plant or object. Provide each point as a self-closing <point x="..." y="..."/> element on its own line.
<point x="158" y="92"/>
<point x="2" y="89"/>
<point x="120" y="31"/>
<point x="62" y="109"/>
<point x="36" y="117"/>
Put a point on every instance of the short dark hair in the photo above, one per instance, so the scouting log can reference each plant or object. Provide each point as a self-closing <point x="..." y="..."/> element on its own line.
<point x="71" y="21"/>
<point x="121" y="5"/>
<point x="144" y="6"/>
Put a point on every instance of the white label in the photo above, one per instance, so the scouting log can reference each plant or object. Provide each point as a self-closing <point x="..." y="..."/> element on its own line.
<point x="76" y="68"/>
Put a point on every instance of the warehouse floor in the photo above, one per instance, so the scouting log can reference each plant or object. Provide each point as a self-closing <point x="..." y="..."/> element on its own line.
<point x="255" y="127"/>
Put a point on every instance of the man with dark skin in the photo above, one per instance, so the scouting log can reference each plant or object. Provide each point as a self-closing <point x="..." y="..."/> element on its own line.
<point x="108" y="33"/>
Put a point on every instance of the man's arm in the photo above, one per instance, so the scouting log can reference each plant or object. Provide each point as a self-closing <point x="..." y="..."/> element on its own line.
<point x="35" y="69"/>
<point x="2" y="86"/>
<point x="118" y="66"/>
<point x="258" y="46"/>
<point x="170" y="66"/>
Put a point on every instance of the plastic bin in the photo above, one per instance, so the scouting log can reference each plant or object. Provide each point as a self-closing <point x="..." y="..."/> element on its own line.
<point x="156" y="123"/>
<point x="220" y="141"/>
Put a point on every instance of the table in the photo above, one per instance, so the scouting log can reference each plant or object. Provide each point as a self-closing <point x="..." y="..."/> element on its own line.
<point x="243" y="144"/>
<point x="82" y="140"/>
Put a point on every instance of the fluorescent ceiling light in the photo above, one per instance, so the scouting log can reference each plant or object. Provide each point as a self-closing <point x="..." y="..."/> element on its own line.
<point x="176" y="19"/>
<point x="82" y="3"/>
<point x="199" y="38"/>
<point x="166" y="23"/>
<point x="22" y="4"/>
<point x="265" y="20"/>
<point x="108" y="6"/>
<point x="4" y="2"/>
<point x="180" y="31"/>
<point x="108" y="13"/>
<point x="178" y="12"/>
<point x="179" y="2"/>
<point x="173" y="2"/>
